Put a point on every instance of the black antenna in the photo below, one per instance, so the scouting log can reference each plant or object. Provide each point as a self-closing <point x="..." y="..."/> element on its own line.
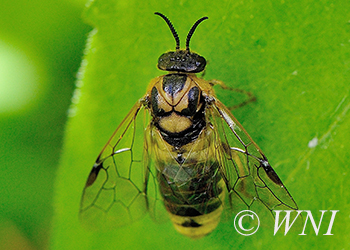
<point x="192" y="31"/>
<point x="173" y="31"/>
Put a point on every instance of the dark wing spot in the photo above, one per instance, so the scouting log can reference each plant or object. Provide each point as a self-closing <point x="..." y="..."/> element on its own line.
<point x="270" y="172"/>
<point x="93" y="174"/>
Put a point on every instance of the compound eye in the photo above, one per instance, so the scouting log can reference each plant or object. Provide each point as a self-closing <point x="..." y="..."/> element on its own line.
<point x="201" y="63"/>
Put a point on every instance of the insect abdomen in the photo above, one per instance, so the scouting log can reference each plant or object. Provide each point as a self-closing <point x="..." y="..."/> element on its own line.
<point x="193" y="197"/>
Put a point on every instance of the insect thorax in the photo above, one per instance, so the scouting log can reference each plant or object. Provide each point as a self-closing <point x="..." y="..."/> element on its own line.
<point x="177" y="108"/>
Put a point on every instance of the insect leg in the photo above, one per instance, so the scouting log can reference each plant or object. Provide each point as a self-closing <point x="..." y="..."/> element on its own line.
<point x="250" y="96"/>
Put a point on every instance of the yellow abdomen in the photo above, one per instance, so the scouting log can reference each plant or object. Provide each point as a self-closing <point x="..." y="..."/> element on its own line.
<point x="191" y="184"/>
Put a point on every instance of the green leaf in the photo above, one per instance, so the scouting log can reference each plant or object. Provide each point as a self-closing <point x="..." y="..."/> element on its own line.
<point x="293" y="56"/>
<point x="40" y="51"/>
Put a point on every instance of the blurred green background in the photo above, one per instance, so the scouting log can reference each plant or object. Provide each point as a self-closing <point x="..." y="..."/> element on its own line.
<point x="41" y="46"/>
<point x="293" y="55"/>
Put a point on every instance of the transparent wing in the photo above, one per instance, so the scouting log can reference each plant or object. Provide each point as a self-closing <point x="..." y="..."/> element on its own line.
<point x="249" y="178"/>
<point x="115" y="192"/>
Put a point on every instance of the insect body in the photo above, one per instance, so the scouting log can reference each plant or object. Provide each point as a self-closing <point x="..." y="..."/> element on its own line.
<point x="195" y="156"/>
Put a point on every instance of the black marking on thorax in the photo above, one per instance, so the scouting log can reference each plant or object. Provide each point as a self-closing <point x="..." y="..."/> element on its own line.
<point x="159" y="112"/>
<point x="188" y="135"/>
<point x="192" y="96"/>
<point x="174" y="83"/>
